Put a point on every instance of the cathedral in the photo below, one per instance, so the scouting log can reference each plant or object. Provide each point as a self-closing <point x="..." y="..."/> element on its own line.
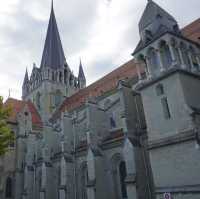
<point x="133" y="134"/>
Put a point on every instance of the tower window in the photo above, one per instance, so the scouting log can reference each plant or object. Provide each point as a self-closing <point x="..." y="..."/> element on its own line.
<point x="165" y="107"/>
<point x="112" y="122"/>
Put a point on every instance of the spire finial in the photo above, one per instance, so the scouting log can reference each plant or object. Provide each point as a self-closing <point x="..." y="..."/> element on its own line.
<point x="51" y="4"/>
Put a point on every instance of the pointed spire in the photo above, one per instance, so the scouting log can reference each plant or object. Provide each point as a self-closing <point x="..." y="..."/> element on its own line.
<point x="81" y="74"/>
<point x="53" y="54"/>
<point x="26" y="78"/>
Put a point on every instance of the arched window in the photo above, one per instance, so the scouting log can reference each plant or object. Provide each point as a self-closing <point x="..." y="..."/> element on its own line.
<point x="165" y="55"/>
<point x="58" y="98"/>
<point x="38" y="100"/>
<point x="119" y="174"/>
<point x="83" y="181"/>
<point x="123" y="174"/>
<point x="65" y="76"/>
<point x="8" y="192"/>
<point x="153" y="59"/>
<point x="60" y="76"/>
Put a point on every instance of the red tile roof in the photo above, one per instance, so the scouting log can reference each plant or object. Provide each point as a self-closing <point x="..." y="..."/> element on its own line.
<point x="107" y="83"/>
<point x="17" y="106"/>
<point x="192" y="31"/>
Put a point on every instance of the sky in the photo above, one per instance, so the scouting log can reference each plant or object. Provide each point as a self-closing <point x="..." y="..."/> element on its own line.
<point x="103" y="33"/>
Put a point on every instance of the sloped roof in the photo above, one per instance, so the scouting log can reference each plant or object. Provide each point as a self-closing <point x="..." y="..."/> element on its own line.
<point x="17" y="106"/>
<point x="192" y="31"/>
<point x="53" y="54"/>
<point x="107" y="83"/>
<point x="150" y="13"/>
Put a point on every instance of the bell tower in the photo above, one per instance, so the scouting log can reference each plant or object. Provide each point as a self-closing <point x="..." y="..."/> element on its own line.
<point x="53" y="81"/>
<point x="170" y="94"/>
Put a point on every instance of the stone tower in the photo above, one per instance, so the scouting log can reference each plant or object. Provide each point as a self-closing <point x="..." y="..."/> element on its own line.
<point x="53" y="81"/>
<point x="170" y="100"/>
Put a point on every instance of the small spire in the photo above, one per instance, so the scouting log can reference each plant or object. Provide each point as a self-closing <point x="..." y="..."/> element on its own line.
<point x="81" y="74"/>
<point x="26" y="78"/>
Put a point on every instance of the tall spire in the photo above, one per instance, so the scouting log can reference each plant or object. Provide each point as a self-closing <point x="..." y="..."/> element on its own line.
<point x="26" y="79"/>
<point x="53" y="54"/>
<point x="81" y="74"/>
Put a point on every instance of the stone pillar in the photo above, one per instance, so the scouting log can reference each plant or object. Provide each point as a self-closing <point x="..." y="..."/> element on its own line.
<point x="191" y="62"/>
<point x="129" y="156"/>
<point x="148" y="64"/>
<point x="181" y="57"/>
<point x="160" y="60"/>
<point x="174" y="62"/>
<point x="138" y="62"/>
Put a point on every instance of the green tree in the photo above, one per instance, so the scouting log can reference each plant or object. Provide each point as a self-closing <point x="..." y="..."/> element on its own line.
<point x="6" y="135"/>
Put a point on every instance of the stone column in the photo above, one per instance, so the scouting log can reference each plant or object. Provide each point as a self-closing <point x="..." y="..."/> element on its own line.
<point x="191" y="62"/>
<point x="172" y="54"/>
<point x="148" y="64"/>
<point x="138" y="71"/>
<point x="162" y="68"/>
<point x="181" y="57"/>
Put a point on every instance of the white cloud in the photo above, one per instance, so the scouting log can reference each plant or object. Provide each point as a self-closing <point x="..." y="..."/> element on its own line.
<point x="102" y="32"/>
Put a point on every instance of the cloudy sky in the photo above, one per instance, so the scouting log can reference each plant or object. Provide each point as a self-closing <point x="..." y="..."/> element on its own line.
<point x="102" y="32"/>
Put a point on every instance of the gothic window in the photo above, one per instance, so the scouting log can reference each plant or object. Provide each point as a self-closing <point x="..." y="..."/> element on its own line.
<point x="65" y="76"/>
<point x="122" y="171"/>
<point x="58" y="98"/>
<point x="153" y="58"/>
<point x="38" y="100"/>
<point x="112" y="121"/>
<point x="166" y="55"/>
<point x="159" y="90"/>
<point x="60" y="77"/>
<point x="165" y="107"/>
<point x="8" y="192"/>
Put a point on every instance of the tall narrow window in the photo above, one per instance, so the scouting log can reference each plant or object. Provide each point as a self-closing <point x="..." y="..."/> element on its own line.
<point x="38" y="98"/>
<point x="8" y="192"/>
<point x="165" y="107"/>
<point x="122" y="171"/>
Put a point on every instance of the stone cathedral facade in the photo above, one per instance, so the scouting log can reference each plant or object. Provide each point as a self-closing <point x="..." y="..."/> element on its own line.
<point x="133" y="134"/>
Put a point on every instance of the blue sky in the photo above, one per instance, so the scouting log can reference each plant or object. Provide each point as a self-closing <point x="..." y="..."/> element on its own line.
<point x="102" y="32"/>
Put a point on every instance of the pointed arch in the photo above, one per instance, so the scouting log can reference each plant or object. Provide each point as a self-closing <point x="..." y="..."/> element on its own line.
<point x="165" y="54"/>
<point x="119" y="175"/>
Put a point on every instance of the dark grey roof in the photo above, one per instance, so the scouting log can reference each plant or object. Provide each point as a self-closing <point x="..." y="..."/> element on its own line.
<point x="81" y="74"/>
<point x="53" y="54"/>
<point x="161" y="30"/>
<point x="151" y="11"/>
